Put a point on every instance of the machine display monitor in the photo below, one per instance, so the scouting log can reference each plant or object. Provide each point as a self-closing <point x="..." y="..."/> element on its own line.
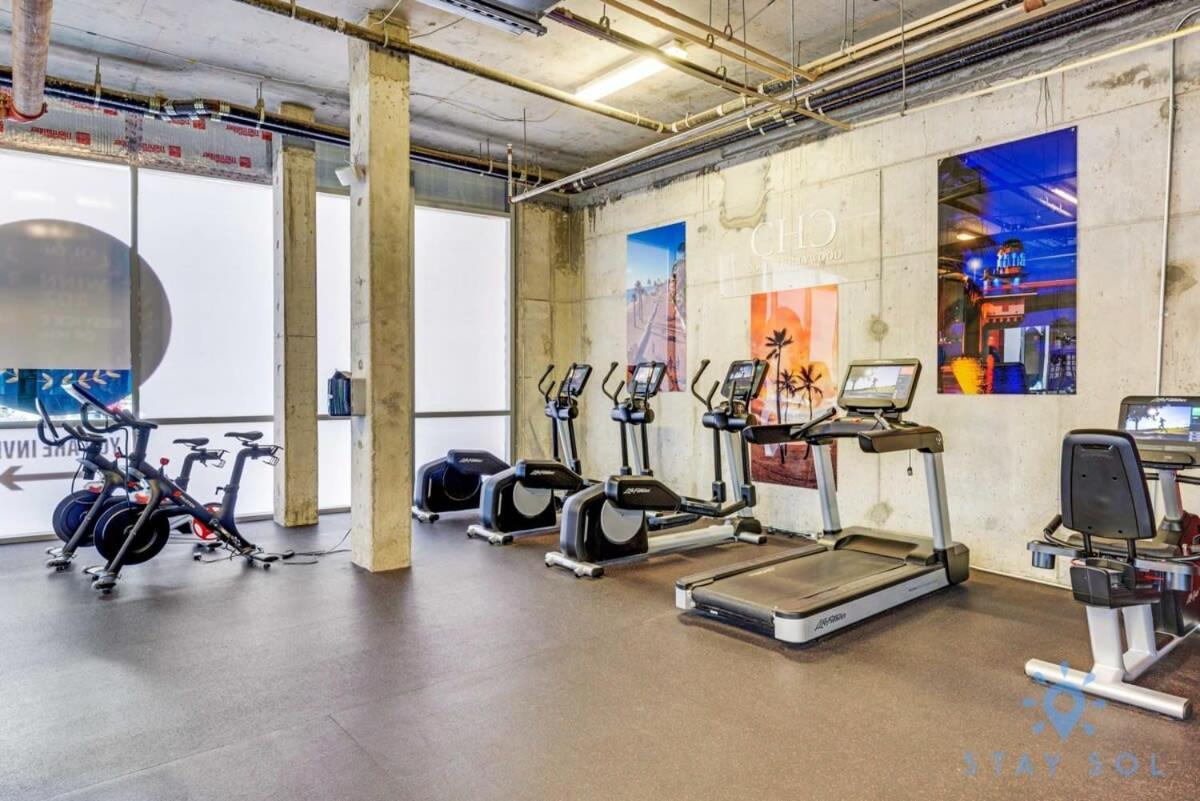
<point x="1163" y="426"/>
<point x="880" y="385"/>
<point x="647" y="378"/>
<point x="576" y="380"/>
<point x="744" y="380"/>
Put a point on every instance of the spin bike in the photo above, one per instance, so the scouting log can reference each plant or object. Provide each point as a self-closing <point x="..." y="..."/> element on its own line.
<point x="133" y="533"/>
<point x="76" y="515"/>
<point x="1141" y="600"/>
<point x="523" y="501"/>
<point x="615" y="522"/>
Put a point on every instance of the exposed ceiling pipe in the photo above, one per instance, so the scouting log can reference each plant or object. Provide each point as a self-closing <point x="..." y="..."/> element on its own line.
<point x="955" y="14"/>
<point x="987" y="25"/>
<point x="768" y="124"/>
<point x="725" y="35"/>
<point x="30" y="51"/>
<point x="608" y="34"/>
<point x="382" y="39"/>
<point x="733" y="116"/>
<point x="1166" y="230"/>
<point x="708" y="44"/>
<point x="282" y="124"/>
<point x="755" y="119"/>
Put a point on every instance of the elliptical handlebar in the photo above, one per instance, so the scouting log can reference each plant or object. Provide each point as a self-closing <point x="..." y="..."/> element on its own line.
<point x="615" y="397"/>
<point x="549" y="390"/>
<point x="707" y="401"/>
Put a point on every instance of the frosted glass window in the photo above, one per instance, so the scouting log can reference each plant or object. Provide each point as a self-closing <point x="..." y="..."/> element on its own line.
<point x="88" y="192"/>
<point x="64" y="281"/>
<point x="461" y="311"/>
<point x="436" y="435"/>
<point x="333" y="290"/>
<point x="333" y="444"/>
<point x="209" y="242"/>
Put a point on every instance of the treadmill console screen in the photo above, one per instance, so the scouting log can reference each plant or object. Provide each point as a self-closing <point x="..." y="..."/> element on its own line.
<point x="885" y="385"/>
<point x="647" y="378"/>
<point x="576" y="379"/>
<point x="744" y="381"/>
<point x="1167" y="430"/>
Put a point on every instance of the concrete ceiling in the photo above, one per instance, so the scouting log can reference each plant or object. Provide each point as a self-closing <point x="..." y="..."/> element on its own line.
<point x="222" y="49"/>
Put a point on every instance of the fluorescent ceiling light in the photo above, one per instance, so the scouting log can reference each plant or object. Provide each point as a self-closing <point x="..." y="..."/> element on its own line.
<point x="496" y="14"/>
<point x="627" y="75"/>
<point x="964" y="236"/>
<point x="1065" y="195"/>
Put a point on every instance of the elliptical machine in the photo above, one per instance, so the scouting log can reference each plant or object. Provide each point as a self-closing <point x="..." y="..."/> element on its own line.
<point x="523" y="501"/>
<point x="1141" y="601"/>
<point x="611" y="523"/>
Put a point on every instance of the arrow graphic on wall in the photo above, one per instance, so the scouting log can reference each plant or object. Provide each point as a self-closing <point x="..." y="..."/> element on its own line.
<point x="12" y="481"/>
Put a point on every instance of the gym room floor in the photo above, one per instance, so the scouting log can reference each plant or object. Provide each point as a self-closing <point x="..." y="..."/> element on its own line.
<point x="481" y="674"/>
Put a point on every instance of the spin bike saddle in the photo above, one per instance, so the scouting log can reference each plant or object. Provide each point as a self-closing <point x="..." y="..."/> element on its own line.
<point x="246" y="436"/>
<point x="193" y="443"/>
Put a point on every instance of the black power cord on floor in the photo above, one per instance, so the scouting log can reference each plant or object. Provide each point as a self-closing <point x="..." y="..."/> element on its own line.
<point x="283" y="557"/>
<point x="313" y="557"/>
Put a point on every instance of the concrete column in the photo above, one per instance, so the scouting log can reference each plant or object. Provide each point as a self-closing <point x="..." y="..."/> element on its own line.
<point x="381" y="247"/>
<point x="295" y="178"/>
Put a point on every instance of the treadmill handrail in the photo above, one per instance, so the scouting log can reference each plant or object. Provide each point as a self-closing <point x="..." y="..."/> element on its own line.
<point x="774" y="433"/>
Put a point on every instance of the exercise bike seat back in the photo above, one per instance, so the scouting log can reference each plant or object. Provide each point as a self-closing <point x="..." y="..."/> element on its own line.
<point x="1104" y="494"/>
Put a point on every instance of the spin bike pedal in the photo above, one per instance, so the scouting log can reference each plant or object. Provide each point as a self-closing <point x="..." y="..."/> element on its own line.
<point x="105" y="583"/>
<point x="59" y="563"/>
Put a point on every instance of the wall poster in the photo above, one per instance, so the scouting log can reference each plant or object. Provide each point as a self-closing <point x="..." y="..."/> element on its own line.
<point x="656" y="301"/>
<point x="1007" y="220"/>
<point x="796" y="331"/>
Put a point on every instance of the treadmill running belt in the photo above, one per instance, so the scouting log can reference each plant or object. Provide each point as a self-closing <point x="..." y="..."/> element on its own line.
<point x="757" y="594"/>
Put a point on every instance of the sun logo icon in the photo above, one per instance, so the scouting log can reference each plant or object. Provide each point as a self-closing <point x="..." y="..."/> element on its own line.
<point x="1063" y="721"/>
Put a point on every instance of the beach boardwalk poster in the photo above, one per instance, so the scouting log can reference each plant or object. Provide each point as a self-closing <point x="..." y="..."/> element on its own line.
<point x="656" y="301"/>
<point x="796" y="331"/>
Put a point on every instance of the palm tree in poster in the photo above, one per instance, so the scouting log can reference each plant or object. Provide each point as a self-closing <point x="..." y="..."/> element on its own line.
<point x="789" y="383"/>
<point x="808" y="378"/>
<point x="776" y="342"/>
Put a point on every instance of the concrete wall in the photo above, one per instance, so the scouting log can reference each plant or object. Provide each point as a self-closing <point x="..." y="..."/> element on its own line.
<point x="548" y="289"/>
<point x="1002" y="451"/>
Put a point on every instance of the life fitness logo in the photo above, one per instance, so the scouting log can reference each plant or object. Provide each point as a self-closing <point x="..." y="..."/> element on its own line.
<point x="808" y="237"/>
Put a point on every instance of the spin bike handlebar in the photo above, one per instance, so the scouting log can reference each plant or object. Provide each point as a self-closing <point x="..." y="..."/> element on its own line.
<point x="46" y="430"/>
<point x="707" y="401"/>
<point x="615" y="397"/>
<point x="120" y="417"/>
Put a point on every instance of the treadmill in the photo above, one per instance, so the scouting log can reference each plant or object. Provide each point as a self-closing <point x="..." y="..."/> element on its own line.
<point x="845" y="574"/>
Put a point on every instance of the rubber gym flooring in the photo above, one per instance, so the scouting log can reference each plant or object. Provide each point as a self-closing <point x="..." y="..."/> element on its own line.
<point x="480" y="674"/>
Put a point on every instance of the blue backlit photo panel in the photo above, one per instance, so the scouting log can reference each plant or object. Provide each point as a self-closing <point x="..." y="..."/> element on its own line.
<point x="1007" y="219"/>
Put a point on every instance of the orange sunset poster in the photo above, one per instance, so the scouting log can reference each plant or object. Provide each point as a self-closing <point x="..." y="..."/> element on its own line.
<point x="796" y="331"/>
